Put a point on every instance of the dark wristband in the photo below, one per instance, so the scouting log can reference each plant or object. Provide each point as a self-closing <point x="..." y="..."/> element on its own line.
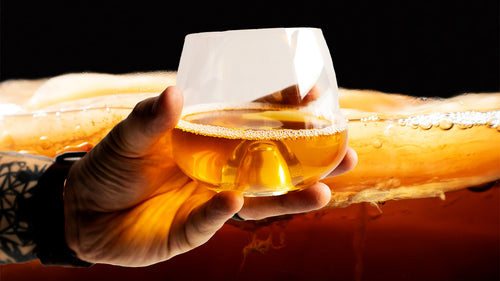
<point x="44" y="212"/>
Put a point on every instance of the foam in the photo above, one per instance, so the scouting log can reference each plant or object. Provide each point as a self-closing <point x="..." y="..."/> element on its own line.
<point x="445" y="121"/>
<point x="252" y="134"/>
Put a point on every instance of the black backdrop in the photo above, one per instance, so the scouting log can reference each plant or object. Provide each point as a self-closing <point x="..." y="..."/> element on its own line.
<point x="423" y="48"/>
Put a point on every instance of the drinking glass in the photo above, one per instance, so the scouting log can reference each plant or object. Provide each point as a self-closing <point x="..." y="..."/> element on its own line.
<point x="261" y="112"/>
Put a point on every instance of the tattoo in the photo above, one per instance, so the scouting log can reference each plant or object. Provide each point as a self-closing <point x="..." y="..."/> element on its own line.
<point x="19" y="173"/>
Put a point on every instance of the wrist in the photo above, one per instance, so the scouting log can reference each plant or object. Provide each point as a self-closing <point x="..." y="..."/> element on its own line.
<point x="44" y="212"/>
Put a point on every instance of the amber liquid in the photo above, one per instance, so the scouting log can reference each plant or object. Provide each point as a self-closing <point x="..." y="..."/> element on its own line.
<point x="259" y="151"/>
<point x="419" y="156"/>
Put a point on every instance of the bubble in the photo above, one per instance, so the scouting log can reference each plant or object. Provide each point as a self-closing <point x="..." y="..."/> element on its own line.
<point x="465" y="126"/>
<point x="413" y="125"/>
<point x="445" y="124"/>
<point x="371" y="118"/>
<point x="377" y="143"/>
<point x="445" y="121"/>
<point x="425" y="125"/>
<point x="235" y="133"/>
<point x="44" y="142"/>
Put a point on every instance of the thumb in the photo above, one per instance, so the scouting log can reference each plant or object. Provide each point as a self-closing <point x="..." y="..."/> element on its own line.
<point x="150" y="120"/>
<point x="208" y="218"/>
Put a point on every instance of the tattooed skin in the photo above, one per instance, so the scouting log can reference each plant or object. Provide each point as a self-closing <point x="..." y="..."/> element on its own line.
<point x="19" y="173"/>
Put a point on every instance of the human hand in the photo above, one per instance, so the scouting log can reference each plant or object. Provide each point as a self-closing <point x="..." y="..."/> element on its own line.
<point x="127" y="203"/>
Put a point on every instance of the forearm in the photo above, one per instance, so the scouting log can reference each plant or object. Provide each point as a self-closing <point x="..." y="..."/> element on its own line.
<point x="19" y="174"/>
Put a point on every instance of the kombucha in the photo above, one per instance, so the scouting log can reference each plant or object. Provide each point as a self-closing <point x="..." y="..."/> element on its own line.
<point x="260" y="151"/>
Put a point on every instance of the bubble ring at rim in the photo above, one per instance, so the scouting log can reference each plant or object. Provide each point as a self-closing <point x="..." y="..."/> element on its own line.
<point x="339" y="125"/>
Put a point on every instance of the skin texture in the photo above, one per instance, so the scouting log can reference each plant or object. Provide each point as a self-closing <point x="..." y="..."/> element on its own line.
<point x="127" y="203"/>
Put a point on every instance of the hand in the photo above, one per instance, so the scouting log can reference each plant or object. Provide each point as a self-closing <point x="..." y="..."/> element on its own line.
<point x="127" y="203"/>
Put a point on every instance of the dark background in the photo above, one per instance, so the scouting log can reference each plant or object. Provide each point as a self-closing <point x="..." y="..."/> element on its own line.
<point x="422" y="48"/>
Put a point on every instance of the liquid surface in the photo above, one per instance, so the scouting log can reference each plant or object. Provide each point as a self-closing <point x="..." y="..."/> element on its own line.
<point x="259" y="119"/>
<point x="259" y="151"/>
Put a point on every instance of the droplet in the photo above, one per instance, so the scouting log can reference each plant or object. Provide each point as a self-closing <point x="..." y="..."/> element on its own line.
<point x="377" y="143"/>
<point x="465" y="126"/>
<point x="425" y="125"/>
<point x="445" y="124"/>
<point x="44" y="142"/>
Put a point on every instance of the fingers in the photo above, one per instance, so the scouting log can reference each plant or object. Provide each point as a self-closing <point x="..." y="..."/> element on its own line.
<point x="211" y="216"/>
<point x="348" y="163"/>
<point x="156" y="115"/>
<point x="311" y="96"/>
<point x="149" y="120"/>
<point x="306" y="200"/>
<point x="312" y="198"/>
<point x="289" y="95"/>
